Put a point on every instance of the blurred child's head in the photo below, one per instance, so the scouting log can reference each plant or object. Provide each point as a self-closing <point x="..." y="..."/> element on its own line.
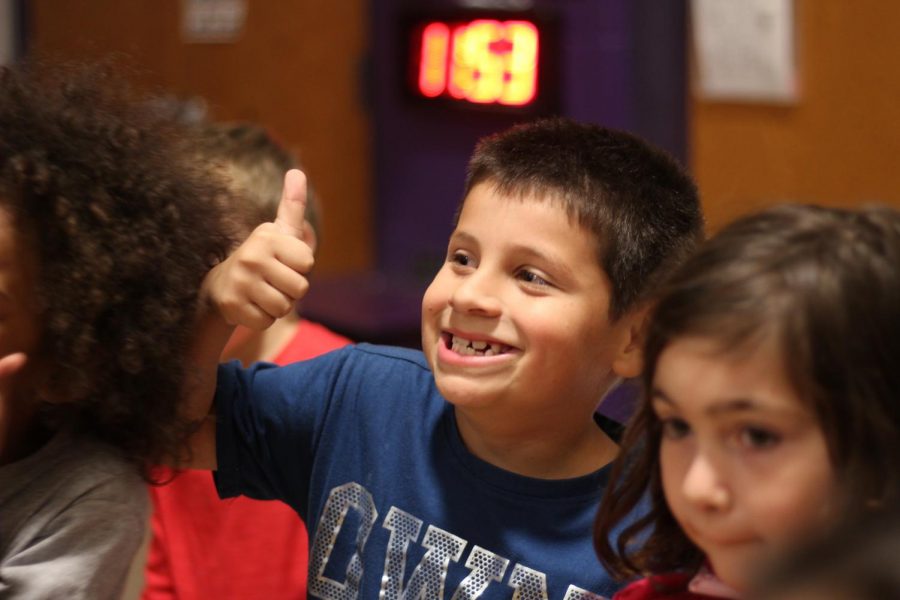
<point x="560" y="238"/>
<point x="770" y="386"/>
<point x="254" y="164"/>
<point x="858" y="560"/>
<point x="114" y="230"/>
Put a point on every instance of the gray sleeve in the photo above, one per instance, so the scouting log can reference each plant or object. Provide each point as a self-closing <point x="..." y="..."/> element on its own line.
<point x="84" y="552"/>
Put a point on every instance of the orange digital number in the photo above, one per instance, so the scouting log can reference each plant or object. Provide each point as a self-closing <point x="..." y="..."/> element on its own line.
<point x="483" y="61"/>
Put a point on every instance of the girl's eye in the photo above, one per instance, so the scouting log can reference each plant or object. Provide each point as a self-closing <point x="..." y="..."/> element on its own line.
<point x="757" y="438"/>
<point x="675" y="428"/>
<point x="532" y="278"/>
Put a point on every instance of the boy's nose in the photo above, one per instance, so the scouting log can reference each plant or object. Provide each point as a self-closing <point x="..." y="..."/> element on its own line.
<point x="476" y="294"/>
<point x="704" y="487"/>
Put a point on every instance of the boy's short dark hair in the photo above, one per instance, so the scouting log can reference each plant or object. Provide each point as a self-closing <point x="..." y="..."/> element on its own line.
<point x="124" y="225"/>
<point x="256" y="163"/>
<point x="637" y="200"/>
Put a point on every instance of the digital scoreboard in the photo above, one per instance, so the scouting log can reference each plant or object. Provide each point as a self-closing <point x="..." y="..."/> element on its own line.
<point x="481" y="60"/>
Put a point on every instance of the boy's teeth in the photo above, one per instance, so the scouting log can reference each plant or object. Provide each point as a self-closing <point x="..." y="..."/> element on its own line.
<point x="472" y="348"/>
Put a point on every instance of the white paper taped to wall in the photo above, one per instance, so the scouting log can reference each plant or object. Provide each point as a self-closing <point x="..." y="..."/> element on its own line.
<point x="212" y="21"/>
<point x="745" y="50"/>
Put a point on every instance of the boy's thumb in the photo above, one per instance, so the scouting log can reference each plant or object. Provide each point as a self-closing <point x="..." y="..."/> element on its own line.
<point x="292" y="208"/>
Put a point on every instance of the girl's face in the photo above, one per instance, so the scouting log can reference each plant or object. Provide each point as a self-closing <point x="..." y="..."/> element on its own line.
<point x="744" y="463"/>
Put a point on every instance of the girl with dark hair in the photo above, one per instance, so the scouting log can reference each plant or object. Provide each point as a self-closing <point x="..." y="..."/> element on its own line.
<point x="107" y="227"/>
<point x="770" y="405"/>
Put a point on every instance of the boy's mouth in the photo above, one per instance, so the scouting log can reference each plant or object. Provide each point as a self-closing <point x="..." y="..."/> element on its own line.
<point x="467" y="347"/>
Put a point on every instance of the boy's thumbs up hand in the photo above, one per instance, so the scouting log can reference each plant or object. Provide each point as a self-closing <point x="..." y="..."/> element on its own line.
<point x="291" y="217"/>
<point x="262" y="280"/>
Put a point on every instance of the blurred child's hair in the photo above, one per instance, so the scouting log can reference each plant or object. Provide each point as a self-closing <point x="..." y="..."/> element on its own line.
<point x="639" y="203"/>
<point x="124" y="225"/>
<point x="823" y="283"/>
<point x="255" y="164"/>
<point x="858" y="560"/>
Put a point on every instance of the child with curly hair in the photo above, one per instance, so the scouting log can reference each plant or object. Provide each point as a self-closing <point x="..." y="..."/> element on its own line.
<point x="770" y="409"/>
<point x="106" y="230"/>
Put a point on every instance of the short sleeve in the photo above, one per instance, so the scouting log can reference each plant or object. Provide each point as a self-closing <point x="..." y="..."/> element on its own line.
<point x="268" y="419"/>
<point x="85" y="551"/>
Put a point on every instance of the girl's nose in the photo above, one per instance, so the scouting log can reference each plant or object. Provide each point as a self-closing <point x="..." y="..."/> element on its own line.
<point x="703" y="485"/>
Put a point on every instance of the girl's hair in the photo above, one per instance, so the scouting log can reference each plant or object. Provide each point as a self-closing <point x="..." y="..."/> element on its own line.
<point x="124" y="225"/>
<point x="822" y="281"/>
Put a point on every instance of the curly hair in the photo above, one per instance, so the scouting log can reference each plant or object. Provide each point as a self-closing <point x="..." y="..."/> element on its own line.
<point x="125" y="226"/>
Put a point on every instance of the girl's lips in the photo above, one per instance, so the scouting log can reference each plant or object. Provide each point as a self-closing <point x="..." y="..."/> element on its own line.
<point x="701" y="538"/>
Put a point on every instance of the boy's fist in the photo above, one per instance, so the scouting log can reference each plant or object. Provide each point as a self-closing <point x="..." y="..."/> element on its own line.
<point x="262" y="280"/>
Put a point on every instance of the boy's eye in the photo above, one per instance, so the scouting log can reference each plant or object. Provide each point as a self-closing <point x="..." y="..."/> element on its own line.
<point x="460" y="258"/>
<point x="531" y="277"/>
<point x="757" y="438"/>
<point x="674" y="428"/>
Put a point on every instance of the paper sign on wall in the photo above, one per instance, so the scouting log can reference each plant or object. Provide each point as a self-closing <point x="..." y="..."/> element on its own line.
<point x="744" y="50"/>
<point x="212" y="21"/>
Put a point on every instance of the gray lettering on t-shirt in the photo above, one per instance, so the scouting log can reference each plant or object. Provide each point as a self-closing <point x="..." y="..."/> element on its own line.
<point x="528" y="584"/>
<point x="486" y="567"/>
<point x="404" y="529"/>
<point x="340" y="501"/>
<point x="576" y="593"/>
<point x="427" y="581"/>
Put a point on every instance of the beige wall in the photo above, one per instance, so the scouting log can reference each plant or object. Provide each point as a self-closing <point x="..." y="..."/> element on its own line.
<point x="294" y="70"/>
<point x="840" y="143"/>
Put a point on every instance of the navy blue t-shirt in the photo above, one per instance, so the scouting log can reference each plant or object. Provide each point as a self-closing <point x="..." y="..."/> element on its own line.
<point x="361" y="444"/>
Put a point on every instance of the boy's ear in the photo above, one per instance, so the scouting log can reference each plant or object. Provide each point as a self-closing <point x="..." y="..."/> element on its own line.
<point x="629" y="360"/>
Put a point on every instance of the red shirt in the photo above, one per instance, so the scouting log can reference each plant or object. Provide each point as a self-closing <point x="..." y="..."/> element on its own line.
<point x="671" y="586"/>
<point x="207" y="548"/>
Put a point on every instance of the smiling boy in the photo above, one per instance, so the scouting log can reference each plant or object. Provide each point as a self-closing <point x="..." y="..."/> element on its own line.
<point x="471" y="470"/>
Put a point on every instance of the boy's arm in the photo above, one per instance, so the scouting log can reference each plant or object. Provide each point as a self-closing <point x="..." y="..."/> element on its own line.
<point x="258" y="283"/>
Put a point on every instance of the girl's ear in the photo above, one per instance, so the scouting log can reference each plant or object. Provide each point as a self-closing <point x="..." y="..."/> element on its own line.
<point x="629" y="360"/>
